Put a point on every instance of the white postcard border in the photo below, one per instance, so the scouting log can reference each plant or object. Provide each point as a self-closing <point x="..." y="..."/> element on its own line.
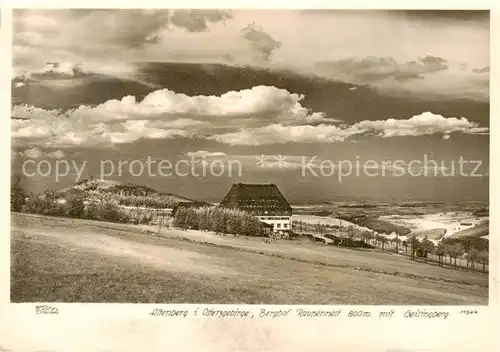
<point x="129" y="327"/>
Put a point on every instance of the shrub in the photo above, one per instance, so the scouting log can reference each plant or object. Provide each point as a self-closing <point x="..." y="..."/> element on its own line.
<point x="106" y="211"/>
<point x="41" y="204"/>
<point x="219" y="220"/>
<point x="17" y="196"/>
<point x="111" y="212"/>
<point x="76" y="206"/>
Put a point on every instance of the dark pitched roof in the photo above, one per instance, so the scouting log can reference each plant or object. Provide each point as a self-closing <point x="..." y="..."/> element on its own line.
<point x="266" y="225"/>
<point x="257" y="199"/>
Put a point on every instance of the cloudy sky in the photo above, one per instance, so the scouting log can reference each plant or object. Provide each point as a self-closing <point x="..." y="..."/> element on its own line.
<point x="213" y="86"/>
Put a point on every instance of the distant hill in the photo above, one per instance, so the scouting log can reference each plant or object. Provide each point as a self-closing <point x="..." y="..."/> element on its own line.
<point x="124" y="194"/>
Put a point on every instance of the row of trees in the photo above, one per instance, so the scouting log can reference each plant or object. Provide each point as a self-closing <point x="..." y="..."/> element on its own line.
<point x="146" y="201"/>
<point x="351" y="232"/>
<point x="473" y="249"/>
<point x="74" y="207"/>
<point x="302" y="226"/>
<point x="447" y="251"/>
<point x="72" y="204"/>
<point x="219" y="220"/>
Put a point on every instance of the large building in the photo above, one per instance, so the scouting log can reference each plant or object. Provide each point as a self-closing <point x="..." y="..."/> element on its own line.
<point x="264" y="201"/>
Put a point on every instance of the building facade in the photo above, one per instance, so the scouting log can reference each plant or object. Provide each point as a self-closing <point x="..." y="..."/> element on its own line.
<point x="264" y="201"/>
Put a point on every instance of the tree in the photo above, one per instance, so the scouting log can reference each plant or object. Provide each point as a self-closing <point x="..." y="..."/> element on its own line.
<point x="383" y="240"/>
<point x="456" y="250"/>
<point x="415" y="245"/>
<point x="317" y="228"/>
<point x="232" y="224"/>
<point x="203" y="218"/>
<point x="427" y="247"/>
<point x="367" y="236"/>
<point x="397" y="241"/>
<point x="351" y="233"/>
<point x="76" y="206"/>
<point x="472" y="256"/>
<point x="180" y="218"/>
<point x="448" y="250"/>
<point x="17" y="196"/>
<point x="440" y="252"/>
<point x="483" y="258"/>
<point x="219" y="221"/>
<point x="405" y="244"/>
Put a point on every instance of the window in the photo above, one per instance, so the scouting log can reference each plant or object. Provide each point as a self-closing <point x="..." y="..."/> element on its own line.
<point x="278" y="225"/>
<point x="285" y="226"/>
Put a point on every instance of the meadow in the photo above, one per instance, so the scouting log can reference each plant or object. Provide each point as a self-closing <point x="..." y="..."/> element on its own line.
<point x="72" y="260"/>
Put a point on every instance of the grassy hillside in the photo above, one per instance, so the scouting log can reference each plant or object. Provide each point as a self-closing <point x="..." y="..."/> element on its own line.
<point x="476" y="231"/>
<point x="434" y="234"/>
<point x="123" y="194"/>
<point x="72" y="260"/>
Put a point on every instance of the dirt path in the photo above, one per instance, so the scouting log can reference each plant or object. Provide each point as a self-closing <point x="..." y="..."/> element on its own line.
<point x="371" y="261"/>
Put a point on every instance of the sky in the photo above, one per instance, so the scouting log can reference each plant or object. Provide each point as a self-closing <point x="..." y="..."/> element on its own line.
<point x="311" y="100"/>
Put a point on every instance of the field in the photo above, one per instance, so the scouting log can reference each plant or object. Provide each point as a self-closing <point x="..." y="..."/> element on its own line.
<point x="452" y="222"/>
<point x="68" y="260"/>
<point x="325" y="220"/>
<point x="481" y="230"/>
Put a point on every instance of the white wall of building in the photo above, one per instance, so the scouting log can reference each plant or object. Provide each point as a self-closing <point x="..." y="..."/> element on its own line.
<point x="279" y="223"/>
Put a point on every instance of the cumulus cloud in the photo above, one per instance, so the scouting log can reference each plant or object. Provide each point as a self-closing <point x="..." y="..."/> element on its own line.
<point x="161" y="114"/>
<point x="258" y="116"/>
<point x="249" y="106"/>
<point x="426" y="123"/>
<point x="280" y="134"/>
<point x="36" y="153"/>
<point x="33" y="153"/>
<point x="57" y="154"/>
<point x="63" y="70"/>
<point x="51" y="71"/>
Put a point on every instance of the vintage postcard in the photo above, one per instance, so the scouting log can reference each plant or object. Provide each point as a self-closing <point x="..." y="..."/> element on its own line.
<point x="269" y="172"/>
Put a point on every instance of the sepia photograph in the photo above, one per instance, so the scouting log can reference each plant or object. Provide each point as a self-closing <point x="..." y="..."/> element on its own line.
<point x="284" y="157"/>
